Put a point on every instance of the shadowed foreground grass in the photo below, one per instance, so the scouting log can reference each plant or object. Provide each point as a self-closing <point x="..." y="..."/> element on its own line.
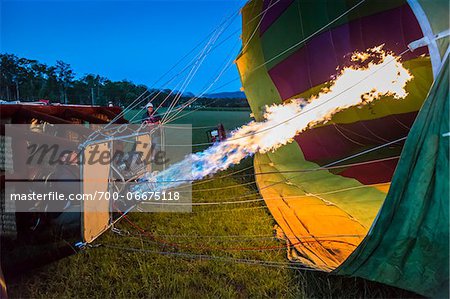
<point x="133" y="268"/>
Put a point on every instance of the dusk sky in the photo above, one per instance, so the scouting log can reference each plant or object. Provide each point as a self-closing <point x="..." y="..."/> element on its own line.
<point x="133" y="40"/>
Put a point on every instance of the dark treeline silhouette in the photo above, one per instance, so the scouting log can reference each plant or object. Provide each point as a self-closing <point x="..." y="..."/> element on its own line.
<point x="26" y="80"/>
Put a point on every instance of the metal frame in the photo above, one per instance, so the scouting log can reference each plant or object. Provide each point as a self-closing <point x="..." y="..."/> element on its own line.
<point x="110" y="142"/>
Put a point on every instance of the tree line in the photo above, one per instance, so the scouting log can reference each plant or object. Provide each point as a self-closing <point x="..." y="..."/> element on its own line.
<point x="27" y="80"/>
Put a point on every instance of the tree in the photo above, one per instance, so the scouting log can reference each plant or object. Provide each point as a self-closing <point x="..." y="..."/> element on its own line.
<point x="30" y="80"/>
<point x="8" y="76"/>
<point x="65" y="76"/>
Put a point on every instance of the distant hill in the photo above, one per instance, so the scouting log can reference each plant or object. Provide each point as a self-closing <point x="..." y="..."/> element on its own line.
<point x="188" y="94"/>
<point x="226" y="95"/>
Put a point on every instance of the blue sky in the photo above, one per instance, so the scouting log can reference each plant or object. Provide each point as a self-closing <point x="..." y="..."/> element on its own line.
<point x="134" y="40"/>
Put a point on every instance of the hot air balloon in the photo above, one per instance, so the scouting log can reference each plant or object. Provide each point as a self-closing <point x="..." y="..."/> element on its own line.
<point x="351" y="196"/>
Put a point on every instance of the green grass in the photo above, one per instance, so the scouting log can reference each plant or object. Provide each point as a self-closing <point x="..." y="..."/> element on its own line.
<point x="204" y="118"/>
<point x="105" y="272"/>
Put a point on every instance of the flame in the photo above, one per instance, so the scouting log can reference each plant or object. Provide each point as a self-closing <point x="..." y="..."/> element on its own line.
<point x="381" y="74"/>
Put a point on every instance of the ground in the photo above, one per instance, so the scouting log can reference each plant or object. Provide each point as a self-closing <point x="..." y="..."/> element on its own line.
<point x="208" y="245"/>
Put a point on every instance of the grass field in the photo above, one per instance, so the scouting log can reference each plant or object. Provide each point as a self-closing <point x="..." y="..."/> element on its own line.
<point x="204" y="118"/>
<point x="208" y="243"/>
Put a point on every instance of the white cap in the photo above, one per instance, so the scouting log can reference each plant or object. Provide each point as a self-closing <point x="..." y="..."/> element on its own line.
<point x="149" y="105"/>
